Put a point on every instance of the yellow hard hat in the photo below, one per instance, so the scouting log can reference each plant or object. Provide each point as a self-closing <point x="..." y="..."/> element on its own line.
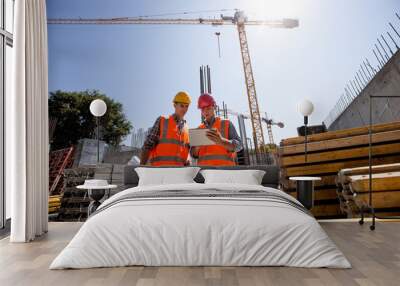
<point x="182" y="97"/>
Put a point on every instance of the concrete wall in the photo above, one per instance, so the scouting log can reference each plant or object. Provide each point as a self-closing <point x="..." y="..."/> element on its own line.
<point x="86" y="152"/>
<point x="385" y="82"/>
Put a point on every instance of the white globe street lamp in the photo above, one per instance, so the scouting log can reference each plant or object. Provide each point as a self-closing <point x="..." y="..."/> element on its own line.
<point x="98" y="108"/>
<point x="305" y="107"/>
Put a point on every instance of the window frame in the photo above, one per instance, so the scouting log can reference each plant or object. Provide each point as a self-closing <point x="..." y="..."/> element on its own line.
<point x="6" y="39"/>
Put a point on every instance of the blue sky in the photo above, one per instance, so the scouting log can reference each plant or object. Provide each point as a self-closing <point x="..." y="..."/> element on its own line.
<point x="144" y="66"/>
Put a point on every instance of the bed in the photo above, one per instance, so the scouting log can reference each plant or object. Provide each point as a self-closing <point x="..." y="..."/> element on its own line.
<point x="198" y="224"/>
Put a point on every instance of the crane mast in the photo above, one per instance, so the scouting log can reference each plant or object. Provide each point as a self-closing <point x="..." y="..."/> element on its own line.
<point x="258" y="136"/>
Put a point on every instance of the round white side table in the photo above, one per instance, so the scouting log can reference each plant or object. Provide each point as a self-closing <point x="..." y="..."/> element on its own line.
<point x="97" y="190"/>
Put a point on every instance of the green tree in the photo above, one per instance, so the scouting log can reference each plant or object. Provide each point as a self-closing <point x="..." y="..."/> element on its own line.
<point x="270" y="147"/>
<point x="74" y="120"/>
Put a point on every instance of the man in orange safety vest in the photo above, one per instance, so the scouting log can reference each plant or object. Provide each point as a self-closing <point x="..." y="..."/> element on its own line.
<point x="222" y="132"/>
<point x="167" y="143"/>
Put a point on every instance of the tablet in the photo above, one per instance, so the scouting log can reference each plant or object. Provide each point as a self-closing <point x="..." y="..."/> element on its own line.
<point x="198" y="137"/>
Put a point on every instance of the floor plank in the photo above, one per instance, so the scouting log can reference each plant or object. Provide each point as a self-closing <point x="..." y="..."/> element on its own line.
<point x="375" y="257"/>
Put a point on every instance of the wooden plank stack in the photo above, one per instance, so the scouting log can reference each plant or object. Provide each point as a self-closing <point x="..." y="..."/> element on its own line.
<point x="74" y="201"/>
<point x="330" y="152"/>
<point x="54" y="203"/>
<point x="353" y="188"/>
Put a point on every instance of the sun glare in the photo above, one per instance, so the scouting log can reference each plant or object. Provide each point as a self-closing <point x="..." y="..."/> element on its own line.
<point x="269" y="9"/>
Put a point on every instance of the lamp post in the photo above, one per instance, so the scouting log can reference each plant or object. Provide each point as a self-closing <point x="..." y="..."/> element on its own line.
<point x="305" y="108"/>
<point x="98" y="108"/>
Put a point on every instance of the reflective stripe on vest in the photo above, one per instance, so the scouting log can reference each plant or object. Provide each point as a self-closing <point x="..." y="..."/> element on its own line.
<point x="217" y="157"/>
<point x="168" y="158"/>
<point x="164" y="129"/>
<point x="173" y="141"/>
<point x="223" y="128"/>
<point x="170" y="151"/>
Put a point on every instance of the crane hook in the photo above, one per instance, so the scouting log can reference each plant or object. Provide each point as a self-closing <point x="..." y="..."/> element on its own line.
<point x="219" y="46"/>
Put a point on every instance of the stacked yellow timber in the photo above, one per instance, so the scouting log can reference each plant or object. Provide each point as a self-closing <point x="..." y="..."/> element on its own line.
<point x="330" y="152"/>
<point x="54" y="203"/>
<point x="353" y="186"/>
<point x="75" y="202"/>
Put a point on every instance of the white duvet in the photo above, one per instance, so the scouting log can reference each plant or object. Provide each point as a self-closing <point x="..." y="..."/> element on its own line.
<point x="200" y="231"/>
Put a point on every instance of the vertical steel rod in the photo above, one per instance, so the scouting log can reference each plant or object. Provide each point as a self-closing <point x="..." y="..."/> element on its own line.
<point x="383" y="38"/>
<point x="98" y="139"/>
<point x="379" y="61"/>
<point x="394" y="42"/>
<point x="397" y="33"/>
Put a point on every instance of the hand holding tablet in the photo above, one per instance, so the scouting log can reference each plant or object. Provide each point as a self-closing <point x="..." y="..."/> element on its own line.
<point x="215" y="136"/>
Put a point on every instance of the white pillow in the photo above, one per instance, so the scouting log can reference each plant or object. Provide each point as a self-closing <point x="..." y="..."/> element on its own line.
<point x="166" y="176"/>
<point x="249" y="177"/>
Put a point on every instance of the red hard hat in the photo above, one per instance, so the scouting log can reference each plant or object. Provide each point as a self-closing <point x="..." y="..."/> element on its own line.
<point x="205" y="100"/>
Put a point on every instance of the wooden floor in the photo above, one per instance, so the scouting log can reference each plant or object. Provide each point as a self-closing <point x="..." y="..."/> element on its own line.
<point x="375" y="256"/>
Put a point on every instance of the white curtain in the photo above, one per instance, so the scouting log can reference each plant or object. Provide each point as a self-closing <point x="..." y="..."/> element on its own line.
<point x="27" y="123"/>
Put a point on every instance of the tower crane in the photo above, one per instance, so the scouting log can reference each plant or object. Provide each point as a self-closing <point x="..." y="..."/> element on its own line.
<point x="239" y="20"/>
<point x="270" y="122"/>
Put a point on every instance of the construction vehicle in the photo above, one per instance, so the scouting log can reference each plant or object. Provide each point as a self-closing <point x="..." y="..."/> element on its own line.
<point x="239" y="20"/>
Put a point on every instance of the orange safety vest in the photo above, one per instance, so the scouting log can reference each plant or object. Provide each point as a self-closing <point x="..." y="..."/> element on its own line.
<point x="217" y="155"/>
<point x="173" y="146"/>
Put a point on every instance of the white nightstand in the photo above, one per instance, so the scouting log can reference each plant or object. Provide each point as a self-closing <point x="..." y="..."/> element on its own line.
<point x="97" y="189"/>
